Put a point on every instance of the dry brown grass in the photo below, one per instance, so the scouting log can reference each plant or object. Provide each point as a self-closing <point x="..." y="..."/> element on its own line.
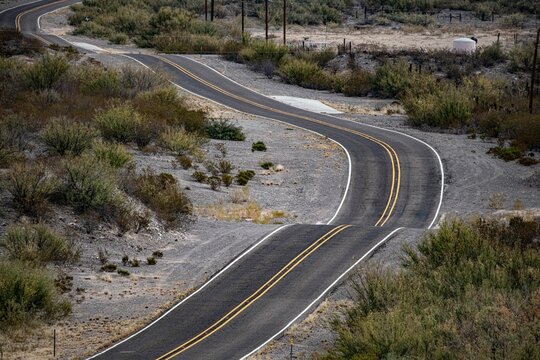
<point x="247" y="211"/>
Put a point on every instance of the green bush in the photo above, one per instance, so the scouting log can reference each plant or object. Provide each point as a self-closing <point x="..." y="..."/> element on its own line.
<point x="306" y="74"/>
<point x="267" y="165"/>
<point x="225" y="166"/>
<point x="357" y="83"/>
<point x="182" y="42"/>
<point x="259" y="51"/>
<point x="46" y="72"/>
<point x="224" y="130"/>
<point x="514" y="20"/>
<point x="227" y="179"/>
<point x="123" y="272"/>
<point x="13" y="139"/>
<point x="88" y="183"/>
<point x="95" y="80"/>
<point x="28" y="294"/>
<point x="63" y="136"/>
<point x="199" y="176"/>
<point x="521" y="57"/>
<point x="160" y="193"/>
<point x="469" y="289"/>
<point x="321" y="58"/>
<point x="506" y="153"/>
<point x="244" y="176"/>
<point x="258" y="146"/>
<point x="115" y="155"/>
<point x="180" y="141"/>
<point x="119" y="123"/>
<point x="491" y="55"/>
<point x="137" y="80"/>
<point x="31" y="186"/>
<point x="151" y="260"/>
<point x="37" y="244"/>
<point x="392" y="80"/>
<point x="119" y="39"/>
<point x="184" y="161"/>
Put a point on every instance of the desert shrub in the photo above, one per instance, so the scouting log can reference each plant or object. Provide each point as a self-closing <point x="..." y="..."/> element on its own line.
<point x="521" y="57"/>
<point x="199" y="176"/>
<point x="230" y="50"/>
<point x="119" y="39"/>
<point x="224" y="130"/>
<point x="95" y="80"/>
<point x="225" y="166"/>
<point x="151" y="260"/>
<point x="244" y="176"/>
<point x="392" y="80"/>
<point x="267" y="165"/>
<point x="14" y="43"/>
<point x="160" y="193"/>
<point x="412" y="19"/>
<point x="123" y="272"/>
<point x="116" y="155"/>
<point x="357" y="83"/>
<point x="136" y="80"/>
<point x="259" y="51"/>
<point x="37" y="244"/>
<point x="28" y="294"/>
<point x="227" y="179"/>
<point x="165" y="107"/>
<point x="88" y="183"/>
<point x="180" y="141"/>
<point x="491" y="55"/>
<point x="157" y="254"/>
<point x="258" y="146"/>
<point x="184" y="161"/>
<point x="214" y="182"/>
<point x="46" y="72"/>
<point x="478" y="281"/>
<point x="321" y="58"/>
<point x="182" y="42"/>
<point x="306" y="74"/>
<point x="30" y="186"/>
<point x="118" y="123"/>
<point x="514" y="20"/>
<point x="507" y="153"/>
<point x="13" y="139"/>
<point x="524" y="129"/>
<point x="447" y="108"/>
<point x="109" y="267"/>
<point x="528" y="161"/>
<point x="63" y="136"/>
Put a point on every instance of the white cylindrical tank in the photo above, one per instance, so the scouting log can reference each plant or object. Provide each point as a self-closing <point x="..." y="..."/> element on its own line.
<point x="464" y="45"/>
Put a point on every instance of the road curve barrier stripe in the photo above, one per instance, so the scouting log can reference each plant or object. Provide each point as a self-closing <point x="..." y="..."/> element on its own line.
<point x="256" y="295"/>
<point x="396" y="168"/>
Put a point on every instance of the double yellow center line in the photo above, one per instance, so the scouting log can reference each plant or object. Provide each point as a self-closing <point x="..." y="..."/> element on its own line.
<point x="20" y="15"/>
<point x="256" y="295"/>
<point x="392" y="154"/>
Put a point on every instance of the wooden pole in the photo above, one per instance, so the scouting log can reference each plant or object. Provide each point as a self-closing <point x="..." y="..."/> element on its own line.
<point x="205" y="10"/>
<point x="266" y="19"/>
<point x="243" y="24"/>
<point x="211" y="10"/>
<point x="533" y="75"/>
<point x="285" y="22"/>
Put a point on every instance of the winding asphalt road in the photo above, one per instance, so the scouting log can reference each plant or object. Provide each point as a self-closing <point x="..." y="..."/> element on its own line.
<point x="395" y="182"/>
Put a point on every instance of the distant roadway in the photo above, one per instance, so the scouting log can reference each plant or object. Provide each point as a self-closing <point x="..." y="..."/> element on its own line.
<point x="395" y="182"/>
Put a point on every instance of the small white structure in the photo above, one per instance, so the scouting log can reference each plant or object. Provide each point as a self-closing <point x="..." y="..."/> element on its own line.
<point x="464" y="45"/>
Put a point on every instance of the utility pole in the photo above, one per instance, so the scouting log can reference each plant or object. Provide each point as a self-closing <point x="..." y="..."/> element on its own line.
<point x="243" y="15"/>
<point x="205" y="10"/>
<point x="211" y="10"/>
<point x="285" y="22"/>
<point x="266" y="18"/>
<point x="533" y="75"/>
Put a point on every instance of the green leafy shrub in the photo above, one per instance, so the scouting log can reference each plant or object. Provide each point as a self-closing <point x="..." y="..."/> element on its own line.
<point x="267" y="165"/>
<point x="357" y="83"/>
<point x="478" y="280"/>
<point x="116" y="155"/>
<point x="199" y="176"/>
<point x="514" y="20"/>
<point x="258" y="146"/>
<point x="95" y="80"/>
<point x="157" y="254"/>
<point x="227" y="179"/>
<point x="392" y="80"/>
<point x="151" y="260"/>
<point x="160" y="193"/>
<point x="259" y="51"/>
<point x="118" y="123"/>
<point x="321" y="58"/>
<point x="225" y="166"/>
<point x="88" y="183"/>
<point x="306" y="74"/>
<point x="13" y="139"/>
<point x="491" y="55"/>
<point x="63" y="136"/>
<point x="36" y="243"/>
<point x="109" y="267"/>
<point x="28" y="294"/>
<point x="119" y="39"/>
<point x="30" y="186"/>
<point x="123" y="272"/>
<point x="521" y="57"/>
<point x="137" y="80"/>
<point x="224" y="130"/>
<point x="244" y="176"/>
<point x="46" y="72"/>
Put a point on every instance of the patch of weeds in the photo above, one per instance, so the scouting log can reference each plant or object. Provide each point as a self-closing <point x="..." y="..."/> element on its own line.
<point x="135" y="262"/>
<point x="214" y="182"/>
<point x="123" y="272"/>
<point x="184" y="161"/>
<point x="258" y="146"/>
<point x="224" y="130"/>
<point x="109" y="267"/>
<point x="46" y="72"/>
<point x="180" y="141"/>
<point x="157" y="254"/>
<point x="497" y="201"/>
<point x="225" y="166"/>
<point x="125" y="260"/>
<point x="239" y="196"/>
<point x="103" y="256"/>
<point x="38" y="244"/>
<point x="528" y="161"/>
<point x="506" y="153"/>
<point x="118" y="123"/>
<point x="151" y="260"/>
<point x="63" y="136"/>
<point x="116" y="155"/>
<point x="30" y="186"/>
<point x="267" y="165"/>
<point x="227" y="179"/>
<point x="199" y="176"/>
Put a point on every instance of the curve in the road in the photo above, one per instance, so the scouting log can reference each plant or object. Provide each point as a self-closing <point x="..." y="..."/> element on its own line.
<point x="285" y="274"/>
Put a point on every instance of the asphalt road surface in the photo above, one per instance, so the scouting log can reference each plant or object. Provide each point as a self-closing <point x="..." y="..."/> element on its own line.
<point x="395" y="182"/>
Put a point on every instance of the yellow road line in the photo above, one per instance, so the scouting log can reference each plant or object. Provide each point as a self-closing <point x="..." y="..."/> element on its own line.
<point x="20" y="15"/>
<point x="394" y="158"/>
<point x="256" y="295"/>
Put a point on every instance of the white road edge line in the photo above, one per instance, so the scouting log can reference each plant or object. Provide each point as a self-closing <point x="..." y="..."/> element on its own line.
<point x="47" y="13"/>
<point x="349" y="175"/>
<point x="323" y="293"/>
<point x="354" y="122"/>
<point x="18" y="6"/>
<point x="194" y="293"/>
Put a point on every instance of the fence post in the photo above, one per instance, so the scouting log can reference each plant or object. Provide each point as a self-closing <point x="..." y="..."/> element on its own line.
<point x="54" y="343"/>
<point x="533" y="75"/>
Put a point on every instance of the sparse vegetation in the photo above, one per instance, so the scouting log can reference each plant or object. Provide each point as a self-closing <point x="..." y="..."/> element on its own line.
<point x="258" y="146"/>
<point x="151" y="260"/>
<point x="267" y="165"/>
<point x="119" y="123"/>
<point x="224" y="130"/>
<point x="63" y="136"/>
<point x="244" y="176"/>
<point x="114" y="155"/>
<point x="199" y="176"/>
<point x="479" y="280"/>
